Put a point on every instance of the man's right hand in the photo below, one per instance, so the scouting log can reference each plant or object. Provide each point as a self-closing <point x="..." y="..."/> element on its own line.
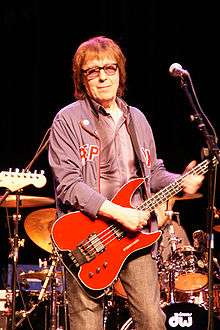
<point x="130" y="218"/>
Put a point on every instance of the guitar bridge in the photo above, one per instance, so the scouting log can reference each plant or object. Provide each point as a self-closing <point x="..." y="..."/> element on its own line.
<point x="87" y="250"/>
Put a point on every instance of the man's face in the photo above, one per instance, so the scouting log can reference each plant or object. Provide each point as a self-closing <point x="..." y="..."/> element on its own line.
<point x="101" y="80"/>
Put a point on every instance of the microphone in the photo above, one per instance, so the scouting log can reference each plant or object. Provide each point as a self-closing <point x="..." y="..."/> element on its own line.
<point x="176" y="70"/>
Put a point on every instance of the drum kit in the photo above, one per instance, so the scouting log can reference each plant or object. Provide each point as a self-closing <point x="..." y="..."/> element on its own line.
<point x="40" y="301"/>
<point x="182" y="276"/>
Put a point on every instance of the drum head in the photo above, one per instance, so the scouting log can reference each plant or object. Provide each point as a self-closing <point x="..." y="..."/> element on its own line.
<point x="191" y="281"/>
<point x="187" y="316"/>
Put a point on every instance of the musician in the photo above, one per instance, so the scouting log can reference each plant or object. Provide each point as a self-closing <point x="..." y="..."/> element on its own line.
<point x="97" y="144"/>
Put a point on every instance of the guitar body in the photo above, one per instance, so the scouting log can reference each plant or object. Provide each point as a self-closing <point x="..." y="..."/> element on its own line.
<point x="95" y="251"/>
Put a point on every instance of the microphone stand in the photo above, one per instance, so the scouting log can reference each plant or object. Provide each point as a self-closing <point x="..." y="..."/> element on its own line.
<point x="210" y="137"/>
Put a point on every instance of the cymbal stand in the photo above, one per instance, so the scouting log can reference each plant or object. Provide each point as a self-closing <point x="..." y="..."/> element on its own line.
<point x="65" y="302"/>
<point x="15" y="244"/>
<point x="53" y="304"/>
<point x="50" y="276"/>
<point x="173" y="243"/>
<point x="56" y="254"/>
<point x="108" y="304"/>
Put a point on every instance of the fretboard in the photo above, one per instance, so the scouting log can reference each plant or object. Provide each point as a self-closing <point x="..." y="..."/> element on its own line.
<point x="172" y="189"/>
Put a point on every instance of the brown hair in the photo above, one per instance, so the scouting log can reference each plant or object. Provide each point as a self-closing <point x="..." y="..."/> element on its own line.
<point x="94" y="48"/>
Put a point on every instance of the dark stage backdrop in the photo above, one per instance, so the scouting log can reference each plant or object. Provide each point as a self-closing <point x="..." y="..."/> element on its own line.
<point x="37" y="43"/>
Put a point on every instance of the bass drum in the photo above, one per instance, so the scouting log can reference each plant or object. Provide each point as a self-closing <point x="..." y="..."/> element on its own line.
<point x="188" y="316"/>
<point x="179" y="316"/>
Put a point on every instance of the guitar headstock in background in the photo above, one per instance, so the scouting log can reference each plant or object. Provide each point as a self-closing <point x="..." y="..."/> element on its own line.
<point x="15" y="180"/>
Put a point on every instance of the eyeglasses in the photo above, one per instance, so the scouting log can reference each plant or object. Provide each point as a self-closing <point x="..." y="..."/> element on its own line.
<point x="94" y="72"/>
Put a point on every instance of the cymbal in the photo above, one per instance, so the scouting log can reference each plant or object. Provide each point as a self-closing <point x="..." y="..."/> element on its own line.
<point x="27" y="201"/>
<point x="38" y="225"/>
<point x="187" y="197"/>
<point x="38" y="275"/>
<point x="187" y="248"/>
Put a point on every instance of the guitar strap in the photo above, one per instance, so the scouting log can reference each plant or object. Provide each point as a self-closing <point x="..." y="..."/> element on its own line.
<point x="133" y="135"/>
<point x="145" y="192"/>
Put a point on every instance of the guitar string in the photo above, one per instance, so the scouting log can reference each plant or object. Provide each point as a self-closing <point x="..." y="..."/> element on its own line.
<point x="150" y="204"/>
<point x="98" y="242"/>
<point x="167" y="192"/>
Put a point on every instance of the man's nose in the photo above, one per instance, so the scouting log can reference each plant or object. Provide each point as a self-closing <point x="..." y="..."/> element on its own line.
<point x="102" y="74"/>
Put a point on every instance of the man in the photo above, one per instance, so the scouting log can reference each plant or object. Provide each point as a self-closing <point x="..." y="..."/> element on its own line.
<point x="97" y="144"/>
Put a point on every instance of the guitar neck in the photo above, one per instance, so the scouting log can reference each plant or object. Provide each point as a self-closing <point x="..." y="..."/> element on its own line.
<point x="172" y="189"/>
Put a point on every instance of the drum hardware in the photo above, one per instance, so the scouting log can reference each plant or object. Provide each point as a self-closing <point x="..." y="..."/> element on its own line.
<point x="115" y="303"/>
<point x="197" y="297"/>
<point x="183" y="274"/>
<point x="173" y="240"/>
<point x="117" y="313"/>
<point x="216" y="301"/>
<point x="16" y="243"/>
<point x="108" y="306"/>
<point x="37" y="226"/>
<point x="49" y="276"/>
<point x="200" y="241"/>
<point x="5" y="301"/>
<point x="16" y="202"/>
<point x="193" y="272"/>
<point x="200" y="298"/>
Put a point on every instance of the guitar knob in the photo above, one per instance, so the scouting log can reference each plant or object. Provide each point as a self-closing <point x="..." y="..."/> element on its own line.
<point x="105" y="264"/>
<point x="98" y="270"/>
<point x="91" y="274"/>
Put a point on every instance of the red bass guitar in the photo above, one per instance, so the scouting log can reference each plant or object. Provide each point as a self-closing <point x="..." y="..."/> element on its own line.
<point x="95" y="251"/>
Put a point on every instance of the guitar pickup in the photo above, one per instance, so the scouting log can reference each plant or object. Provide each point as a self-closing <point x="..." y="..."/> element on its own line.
<point x="96" y="243"/>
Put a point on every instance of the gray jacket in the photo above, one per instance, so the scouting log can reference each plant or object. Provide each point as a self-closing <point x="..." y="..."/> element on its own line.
<point x="74" y="151"/>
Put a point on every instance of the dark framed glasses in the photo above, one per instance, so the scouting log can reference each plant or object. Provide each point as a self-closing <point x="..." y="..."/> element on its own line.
<point x="110" y="70"/>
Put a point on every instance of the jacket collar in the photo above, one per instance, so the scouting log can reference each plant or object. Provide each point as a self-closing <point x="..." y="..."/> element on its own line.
<point x="96" y="109"/>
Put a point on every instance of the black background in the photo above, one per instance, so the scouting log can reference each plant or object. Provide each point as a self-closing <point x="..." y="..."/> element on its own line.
<point x="37" y="43"/>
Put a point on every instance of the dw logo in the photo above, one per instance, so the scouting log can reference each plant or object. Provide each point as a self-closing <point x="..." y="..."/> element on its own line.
<point x="181" y="319"/>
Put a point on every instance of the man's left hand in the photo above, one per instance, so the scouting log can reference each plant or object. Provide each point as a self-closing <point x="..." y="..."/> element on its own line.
<point x="192" y="182"/>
